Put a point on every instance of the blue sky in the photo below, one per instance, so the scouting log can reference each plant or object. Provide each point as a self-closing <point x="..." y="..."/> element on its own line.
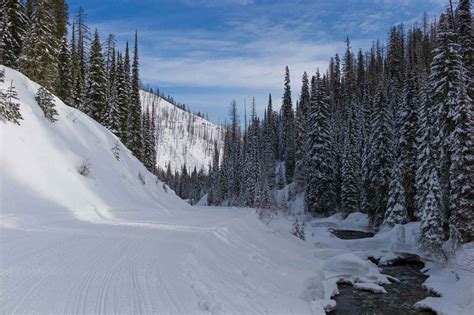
<point x="207" y="52"/>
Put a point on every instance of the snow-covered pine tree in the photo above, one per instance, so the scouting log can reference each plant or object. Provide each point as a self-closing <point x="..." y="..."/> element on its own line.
<point x="9" y="107"/>
<point x="461" y="175"/>
<point x="301" y="131"/>
<point x="445" y="78"/>
<point x="269" y="140"/>
<point x="464" y="25"/>
<point x="14" y="24"/>
<point x="119" y="111"/>
<point x="95" y="103"/>
<point x="112" y="117"/>
<point x="213" y="193"/>
<point x="63" y="84"/>
<point x="396" y="209"/>
<point x="287" y="129"/>
<point x="135" y="134"/>
<point x="79" y="39"/>
<point x="408" y="117"/>
<point x="45" y="100"/>
<point x="109" y="52"/>
<point x="432" y="234"/>
<point x="7" y="56"/>
<point x="145" y="129"/>
<point x="38" y="58"/>
<point x="60" y="15"/>
<point x="320" y="196"/>
<point x="350" y="195"/>
<point x="153" y="137"/>
<point x="380" y="155"/>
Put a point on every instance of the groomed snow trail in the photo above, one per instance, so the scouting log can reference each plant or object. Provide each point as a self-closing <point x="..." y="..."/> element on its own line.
<point x="118" y="241"/>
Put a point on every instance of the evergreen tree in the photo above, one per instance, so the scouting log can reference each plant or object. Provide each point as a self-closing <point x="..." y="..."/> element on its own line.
<point x="287" y="130"/>
<point x="465" y="30"/>
<point x="380" y="156"/>
<point x="14" y="24"/>
<point x="60" y="15"/>
<point x="134" y="131"/>
<point x="446" y="72"/>
<point x="38" y="59"/>
<point x="396" y="210"/>
<point x="79" y="39"/>
<point x="213" y="194"/>
<point x="45" y="101"/>
<point x="431" y="219"/>
<point x="320" y="196"/>
<point x="301" y="136"/>
<point x="9" y="107"/>
<point x="63" y="84"/>
<point x="96" y="98"/>
<point x="461" y="174"/>
<point x="121" y="110"/>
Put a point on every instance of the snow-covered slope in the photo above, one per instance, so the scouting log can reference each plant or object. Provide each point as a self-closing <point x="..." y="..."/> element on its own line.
<point x="182" y="137"/>
<point x="114" y="243"/>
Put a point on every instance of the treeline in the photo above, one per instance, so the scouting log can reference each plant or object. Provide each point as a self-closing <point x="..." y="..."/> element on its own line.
<point x="388" y="132"/>
<point x="170" y="99"/>
<point x="98" y="79"/>
<point x="191" y="186"/>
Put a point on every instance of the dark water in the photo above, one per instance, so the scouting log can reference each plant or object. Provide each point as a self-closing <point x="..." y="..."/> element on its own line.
<point x="350" y="235"/>
<point x="400" y="296"/>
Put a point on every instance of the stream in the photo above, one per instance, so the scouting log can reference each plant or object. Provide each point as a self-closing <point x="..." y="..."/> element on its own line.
<point x="400" y="297"/>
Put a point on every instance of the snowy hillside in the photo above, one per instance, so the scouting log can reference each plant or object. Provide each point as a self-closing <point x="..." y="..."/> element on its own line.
<point x="115" y="241"/>
<point x="183" y="138"/>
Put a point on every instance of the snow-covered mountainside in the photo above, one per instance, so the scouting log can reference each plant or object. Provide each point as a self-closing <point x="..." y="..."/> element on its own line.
<point x="182" y="137"/>
<point x="116" y="241"/>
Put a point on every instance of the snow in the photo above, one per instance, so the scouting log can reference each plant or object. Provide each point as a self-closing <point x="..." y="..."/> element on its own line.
<point x="370" y="287"/>
<point x="182" y="137"/>
<point x="346" y="261"/>
<point x="107" y="243"/>
<point x="454" y="281"/>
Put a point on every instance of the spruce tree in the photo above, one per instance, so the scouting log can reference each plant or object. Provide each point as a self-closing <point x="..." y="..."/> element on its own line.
<point x="396" y="209"/>
<point x="288" y="130"/>
<point x="380" y="155"/>
<point x="38" y="59"/>
<point x="301" y="134"/>
<point x="63" y="84"/>
<point x="135" y="134"/>
<point x="445" y="78"/>
<point x="320" y="196"/>
<point x="45" y="101"/>
<point x="79" y="39"/>
<point x="13" y="31"/>
<point x="9" y="107"/>
<point x="95" y="104"/>
<point x="465" y="30"/>
<point x="461" y="175"/>
<point x="121" y="110"/>
<point x="431" y="217"/>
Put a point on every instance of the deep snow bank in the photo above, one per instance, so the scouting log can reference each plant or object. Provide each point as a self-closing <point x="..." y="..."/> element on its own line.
<point x="40" y="162"/>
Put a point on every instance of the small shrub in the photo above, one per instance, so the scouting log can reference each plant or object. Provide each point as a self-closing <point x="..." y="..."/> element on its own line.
<point x="141" y="178"/>
<point x="265" y="215"/>
<point x="9" y="108"/>
<point x="116" y="151"/>
<point x="298" y="229"/>
<point x="84" y="169"/>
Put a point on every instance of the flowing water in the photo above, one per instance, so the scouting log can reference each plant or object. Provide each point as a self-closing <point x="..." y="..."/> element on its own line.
<point x="400" y="297"/>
